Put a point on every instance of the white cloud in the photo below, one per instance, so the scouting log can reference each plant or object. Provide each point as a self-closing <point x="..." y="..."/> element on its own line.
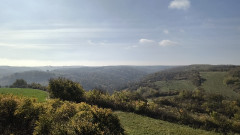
<point x="167" y="43"/>
<point x="102" y="43"/>
<point x="166" y="31"/>
<point x="180" y="4"/>
<point x="146" y="41"/>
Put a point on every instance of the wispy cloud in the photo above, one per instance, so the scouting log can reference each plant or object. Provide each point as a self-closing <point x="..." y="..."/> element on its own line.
<point x="146" y="41"/>
<point x="167" y="43"/>
<point x="166" y="31"/>
<point x="51" y="33"/>
<point x="102" y="43"/>
<point x="180" y="4"/>
<point x="30" y="62"/>
<point x="26" y="46"/>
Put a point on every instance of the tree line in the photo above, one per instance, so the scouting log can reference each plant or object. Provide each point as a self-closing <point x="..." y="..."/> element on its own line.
<point x="21" y="83"/>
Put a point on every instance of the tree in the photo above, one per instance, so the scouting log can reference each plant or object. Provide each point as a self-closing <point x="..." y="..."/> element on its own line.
<point x="19" y="83"/>
<point x="65" y="89"/>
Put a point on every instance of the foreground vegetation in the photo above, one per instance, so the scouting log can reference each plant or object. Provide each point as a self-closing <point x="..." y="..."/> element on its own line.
<point x="195" y="108"/>
<point x="23" y="116"/>
<point x="132" y="123"/>
<point x="138" y="125"/>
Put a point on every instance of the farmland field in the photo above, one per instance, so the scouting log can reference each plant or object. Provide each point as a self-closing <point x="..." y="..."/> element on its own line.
<point x="166" y="86"/>
<point x="214" y="84"/>
<point x="33" y="93"/>
<point x="140" y="125"/>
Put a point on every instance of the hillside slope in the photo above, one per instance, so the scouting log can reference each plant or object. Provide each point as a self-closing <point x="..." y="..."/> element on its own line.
<point x="171" y="81"/>
<point x="139" y="125"/>
<point x="214" y="84"/>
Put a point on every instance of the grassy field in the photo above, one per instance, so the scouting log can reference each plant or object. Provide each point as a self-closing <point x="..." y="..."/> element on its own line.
<point x="140" y="125"/>
<point x="39" y="94"/>
<point x="214" y="84"/>
<point x="175" y="85"/>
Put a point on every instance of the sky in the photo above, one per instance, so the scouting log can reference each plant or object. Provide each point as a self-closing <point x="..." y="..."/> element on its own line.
<point x="119" y="32"/>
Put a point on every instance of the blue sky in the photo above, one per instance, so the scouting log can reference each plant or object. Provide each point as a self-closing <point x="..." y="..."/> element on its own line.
<point x="119" y="32"/>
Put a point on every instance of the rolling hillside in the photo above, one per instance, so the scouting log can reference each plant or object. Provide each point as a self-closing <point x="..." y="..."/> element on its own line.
<point x="214" y="84"/>
<point x="205" y="77"/>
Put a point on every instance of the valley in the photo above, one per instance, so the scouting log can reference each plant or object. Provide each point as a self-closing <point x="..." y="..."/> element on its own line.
<point x="195" y="99"/>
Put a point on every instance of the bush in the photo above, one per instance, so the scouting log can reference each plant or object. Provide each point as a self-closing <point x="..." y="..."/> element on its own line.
<point x="236" y="126"/>
<point x="99" y="98"/>
<point x="230" y="80"/>
<point x="37" y="86"/>
<point x="23" y="116"/>
<point x="71" y="118"/>
<point x="19" y="83"/>
<point x="66" y="90"/>
<point x="18" y="115"/>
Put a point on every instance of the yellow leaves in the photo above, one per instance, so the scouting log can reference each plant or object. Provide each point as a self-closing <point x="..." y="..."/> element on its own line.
<point x="236" y="126"/>
<point x="26" y="116"/>
<point x="73" y="118"/>
<point x="181" y="110"/>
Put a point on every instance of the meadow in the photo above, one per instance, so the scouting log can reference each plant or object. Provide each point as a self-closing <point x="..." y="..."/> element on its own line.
<point x="214" y="84"/>
<point x="166" y="86"/>
<point x="32" y="93"/>
<point x="135" y="124"/>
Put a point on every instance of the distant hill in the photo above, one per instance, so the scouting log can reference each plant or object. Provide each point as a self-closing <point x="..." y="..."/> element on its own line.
<point x="170" y="81"/>
<point x="41" y="77"/>
<point x="9" y="70"/>
<point x="106" y="78"/>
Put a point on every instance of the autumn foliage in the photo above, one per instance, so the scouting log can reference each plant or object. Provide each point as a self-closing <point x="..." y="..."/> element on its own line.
<point x="21" y="116"/>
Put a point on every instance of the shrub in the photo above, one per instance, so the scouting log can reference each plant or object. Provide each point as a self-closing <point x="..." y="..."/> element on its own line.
<point x="37" y="86"/>
<point x="21" y="116"/>
<point x="230" y="80"/>
<point x="97" y="97"/>
<point x="19" y="83"/>
<point x="236" y="126"/>
<point x="65" y="89"/>
<point x="71" y="118"/>
<point x="18" y="115"/>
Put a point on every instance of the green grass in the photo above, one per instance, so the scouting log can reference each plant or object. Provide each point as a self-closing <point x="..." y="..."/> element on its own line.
<point x="140" y="125"/>
<point x="33" y="93"/>
<point x="175" y="85"/>
<point x="214" y="84"/>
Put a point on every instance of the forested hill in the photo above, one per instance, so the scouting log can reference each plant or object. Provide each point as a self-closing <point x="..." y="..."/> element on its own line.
<point x="210" y="78"/>
<point x="107" y="78"/>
